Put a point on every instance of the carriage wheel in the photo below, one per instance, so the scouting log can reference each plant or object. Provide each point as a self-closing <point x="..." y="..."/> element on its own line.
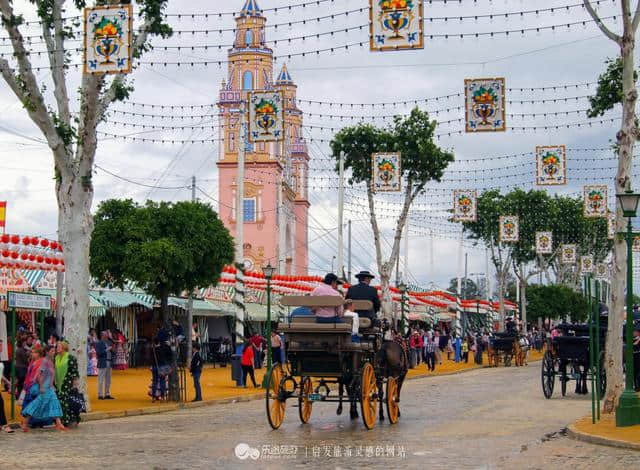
<point x="369" y="397"/>
<point x="548" y="375"/>
<point x="393" y="396"/>
<point x="304" y="404"/>
<point x="275" y="406"/>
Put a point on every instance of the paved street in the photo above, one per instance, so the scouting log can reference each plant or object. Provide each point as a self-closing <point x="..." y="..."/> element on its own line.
<point x="491" y="418"/>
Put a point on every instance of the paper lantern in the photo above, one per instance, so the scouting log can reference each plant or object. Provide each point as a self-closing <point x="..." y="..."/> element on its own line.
<point x="15" y="239"/>
<point x="39" y="258"/>
<point x="5" y="238"/>
<point x="54" y="245"/>
<point x="6" y="253"/>
<point x="44" y="243"/>
<point x="35" y="240"/>
<point x="14" y="255"/>
<point x="24" y="256"/>
<point x="26" y="241"/>
<point x="32" y="257"/>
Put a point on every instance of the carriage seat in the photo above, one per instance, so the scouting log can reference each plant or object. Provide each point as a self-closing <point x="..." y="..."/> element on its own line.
<point x="305" y="320"/>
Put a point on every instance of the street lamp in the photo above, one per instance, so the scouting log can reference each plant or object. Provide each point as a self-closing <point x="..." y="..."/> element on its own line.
<point x="402" y="287"/>
<point x="268" y="271"/>
<point x="628" y="410"/>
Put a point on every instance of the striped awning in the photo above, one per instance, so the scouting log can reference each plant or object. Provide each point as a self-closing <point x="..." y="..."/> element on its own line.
<point x="96" y="309"/>
<point x="201" y="308"/>
<point x="119" y="299"/>
<point x="33" y="277"/>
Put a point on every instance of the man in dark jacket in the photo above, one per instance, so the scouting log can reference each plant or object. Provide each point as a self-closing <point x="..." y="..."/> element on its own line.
<point x="196" y="371"/>
<point x="363" y="291"/>
<point x="104" y="349"/>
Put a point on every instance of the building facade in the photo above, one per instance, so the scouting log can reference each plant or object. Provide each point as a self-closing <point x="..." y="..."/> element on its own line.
<point x="275" y="203"/>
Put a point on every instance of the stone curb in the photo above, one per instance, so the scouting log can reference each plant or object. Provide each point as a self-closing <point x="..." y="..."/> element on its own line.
<point x="599" y="440"/>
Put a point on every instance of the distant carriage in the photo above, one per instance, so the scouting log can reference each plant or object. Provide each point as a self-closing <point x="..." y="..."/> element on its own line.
<point x="322" y="361"/>
<point x="506" y="348"/>
<point x="568" y="358"/>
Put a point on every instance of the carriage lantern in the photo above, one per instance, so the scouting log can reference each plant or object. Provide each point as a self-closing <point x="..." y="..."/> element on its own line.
<point x="268" y="272"/>
<point x="628" y="410"/>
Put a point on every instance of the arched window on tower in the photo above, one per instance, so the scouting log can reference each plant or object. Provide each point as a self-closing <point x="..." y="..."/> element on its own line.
<point x="248" y="38"/>
<point x="247" y="80"/>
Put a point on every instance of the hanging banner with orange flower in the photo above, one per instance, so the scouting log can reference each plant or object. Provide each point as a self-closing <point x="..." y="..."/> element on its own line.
<point x="266" y="116"/>
<point x="569" y="254"/>
<point x="465" y="205"/>
<point x="586" y="264"/>
<point x="108" y="39"/>
<point x="595" y="200"/>
<point x="386" y="172"/>
<point x="551" y="165"/>
<point x="396" y="25"/>
<point x="611" y="225"/>
<point x="544" y="243"/>
<point x="509" y="228"/>
<point x="602" y="271"/>
<point x="485" y="104"/>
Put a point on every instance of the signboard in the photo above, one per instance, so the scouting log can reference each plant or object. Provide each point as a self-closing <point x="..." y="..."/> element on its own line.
<point x="386" y="172"/>
<point x="509" y="228"/>
<point x="586" y="264"/>
<point x="569" y="254"/>
<point x="485" y="104"/>
<point x="465" y="205"/>
<point x="28" y="301"/>
<point x="266" y="116"/>
<point x="108" y="39"/>
<point x="551" y="165"/>
<point x="595" y="200"/>
<point x="396" y="24"/>
<point x="544" y="243"/>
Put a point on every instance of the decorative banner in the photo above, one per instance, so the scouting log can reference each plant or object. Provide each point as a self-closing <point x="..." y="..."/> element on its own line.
<point x="551" y="165"/>
<point x="266" y="116"/>
<point x="595" y="200"/>
<point x="396" y="24"/>
<point x="586" y="264"/>
<point x="544" y="243"/>
<point x="636" y="244"/>
<point x="108" y="39"/>
<point x="509" y="228"/>
<point x="569" y="254"/>
<point x="485" y="104"/>
<point x="3" y="215"/>
<point x="602" y="271"/>
<point x="386" y="172"/>
<point x="465" y="205"/>
<point x="611" y="225"/>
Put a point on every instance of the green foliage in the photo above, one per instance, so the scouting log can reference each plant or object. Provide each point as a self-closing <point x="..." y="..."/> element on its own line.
<point x="609" y="91"/>
<point x="469" y="288"/>
<point x="412" y="136"/>
<point x="166" y="248"/>
<point x="537" y="211"/>
<point x="555" y="302"/>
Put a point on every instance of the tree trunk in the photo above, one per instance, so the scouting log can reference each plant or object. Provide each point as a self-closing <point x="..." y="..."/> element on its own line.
<point x="626" y="140"/>
<point x="75" y="225"/>
<point x="501" y="279"/>
<point x="523" y="304"/>
<point x="386" y="300"/>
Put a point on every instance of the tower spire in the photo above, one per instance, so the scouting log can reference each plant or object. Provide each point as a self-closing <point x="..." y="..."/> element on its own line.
<point x="284" y="78"/>
<point x="251" y="8"/>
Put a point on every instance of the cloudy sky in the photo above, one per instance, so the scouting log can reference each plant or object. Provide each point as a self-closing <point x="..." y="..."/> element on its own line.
<point x="560" y="47"/>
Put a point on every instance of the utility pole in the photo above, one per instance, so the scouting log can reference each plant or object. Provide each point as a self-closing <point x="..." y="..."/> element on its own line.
<point x="190" y="303"/>
<point x="464" y="282"/>
<point x="349" y="262"/>
<point x="406" y="249"/>
<point x="341" y="216"/>
<point x="239" y="296"/>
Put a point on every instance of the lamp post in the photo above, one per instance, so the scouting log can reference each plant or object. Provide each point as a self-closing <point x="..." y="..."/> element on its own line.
<point x="628" y="410"/>
<point x="402" y="287"/>
<point x="268" y="271"/>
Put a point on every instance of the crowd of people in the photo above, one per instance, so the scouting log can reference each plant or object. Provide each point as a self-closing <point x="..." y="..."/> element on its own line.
<point x="46" y="384"/>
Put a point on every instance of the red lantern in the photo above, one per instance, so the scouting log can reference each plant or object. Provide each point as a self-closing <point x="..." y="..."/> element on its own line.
<point x="25" y="240"/>
<point x="24" y="256"/>
<point x="32" y="257"/>
<point x="34" y="240"/>
<point x="14" y="255"/>
<point x="54" y="245"/>
<point x="6" y="253"/>
<point x="44" y="243"/>
<point x="47" y="260"/>
<point x="39" y="259"/>
<point x="15" y="239"/>
<point x="5" y="238"/>
<point x="55" y="261"/>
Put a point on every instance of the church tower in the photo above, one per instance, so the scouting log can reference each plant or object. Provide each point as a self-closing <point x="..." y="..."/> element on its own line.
<point x="275" y="203"/>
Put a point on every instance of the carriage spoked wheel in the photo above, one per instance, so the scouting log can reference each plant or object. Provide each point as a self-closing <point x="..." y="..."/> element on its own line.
<point x="276" y="403"/>
<point x="304" y="403"/>
<point x="369" y="396"/>
<point x="548" y="375"/>
<point x="393" y="397"/>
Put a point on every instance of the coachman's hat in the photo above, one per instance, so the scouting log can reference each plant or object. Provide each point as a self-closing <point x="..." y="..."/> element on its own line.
<point x="364" y="274"/>
<point x="330" y="278"/>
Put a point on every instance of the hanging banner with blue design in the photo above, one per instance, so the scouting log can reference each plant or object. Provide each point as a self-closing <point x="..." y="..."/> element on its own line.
<point x="108" y="39"/>
<point x="266" y="116"/>
<point x="396" y="25"/>
<point x="485" y="104"/>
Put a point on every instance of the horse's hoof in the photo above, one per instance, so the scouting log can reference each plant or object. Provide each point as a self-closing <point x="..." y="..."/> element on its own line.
<point x="339" y="411"/>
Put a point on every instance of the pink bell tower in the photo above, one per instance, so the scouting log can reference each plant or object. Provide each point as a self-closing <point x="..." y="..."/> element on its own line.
<point x="275" y="203"/>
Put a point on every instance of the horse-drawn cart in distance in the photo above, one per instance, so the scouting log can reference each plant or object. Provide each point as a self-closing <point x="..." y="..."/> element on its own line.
<point x="568" y="357"/>
<point x="507" y="347"/>
<point x="323" y="361"/>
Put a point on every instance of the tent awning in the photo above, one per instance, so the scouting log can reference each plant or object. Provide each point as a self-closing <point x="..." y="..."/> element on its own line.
<point x="96" y="309"/>
<point x="119" y="299"/>
<point x="201" y="308"/>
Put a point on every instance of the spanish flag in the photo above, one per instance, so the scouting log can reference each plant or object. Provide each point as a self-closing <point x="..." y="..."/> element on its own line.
<point x="3" y="214"/>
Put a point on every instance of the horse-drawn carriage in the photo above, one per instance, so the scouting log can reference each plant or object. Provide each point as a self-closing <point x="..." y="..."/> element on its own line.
<point x="507" y="347"/>
<point x="323" y="361"/>
<point x="568" y="357"/>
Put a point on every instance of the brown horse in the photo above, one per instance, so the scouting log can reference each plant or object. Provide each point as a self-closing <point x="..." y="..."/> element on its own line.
<point x="391" y="362"/>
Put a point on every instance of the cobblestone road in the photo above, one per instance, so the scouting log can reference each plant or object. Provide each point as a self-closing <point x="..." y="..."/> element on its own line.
<point x="485" y="419"/>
